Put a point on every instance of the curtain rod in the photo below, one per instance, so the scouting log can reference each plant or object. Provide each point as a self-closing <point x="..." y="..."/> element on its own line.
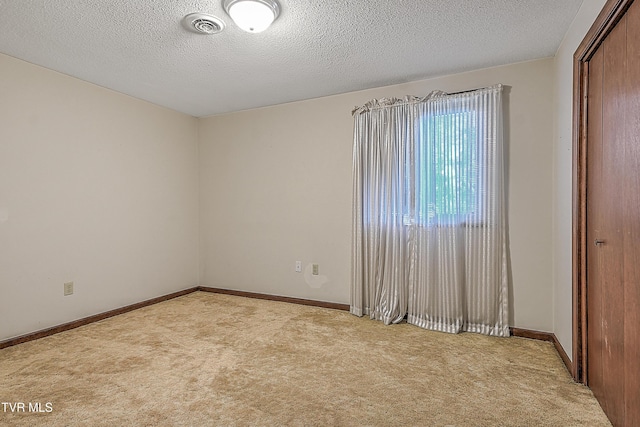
<point x="467" y="91"/>
<point x="390" y="102"/>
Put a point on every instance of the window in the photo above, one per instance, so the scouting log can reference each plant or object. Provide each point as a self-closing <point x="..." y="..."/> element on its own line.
<point x="446" y="171"/>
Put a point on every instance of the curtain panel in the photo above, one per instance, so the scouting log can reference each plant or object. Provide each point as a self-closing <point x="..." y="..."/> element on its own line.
<point x="429" y="214"/>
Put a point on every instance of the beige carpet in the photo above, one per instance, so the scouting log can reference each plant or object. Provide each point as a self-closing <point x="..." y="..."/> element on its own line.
<point x="208" y="359"/>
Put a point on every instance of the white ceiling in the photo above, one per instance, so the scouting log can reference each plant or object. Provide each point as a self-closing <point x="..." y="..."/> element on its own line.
<point x="315" y="47"/>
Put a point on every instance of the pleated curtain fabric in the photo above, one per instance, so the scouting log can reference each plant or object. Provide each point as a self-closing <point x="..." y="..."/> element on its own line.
<point x="429" y="214"/>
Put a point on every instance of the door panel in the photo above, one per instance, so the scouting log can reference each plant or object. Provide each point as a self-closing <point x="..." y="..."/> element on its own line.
<point x="611" y="251"/>
<point x="613" y="217"/>
<point x="594" y="228"/>
<point x="632" y="221"/>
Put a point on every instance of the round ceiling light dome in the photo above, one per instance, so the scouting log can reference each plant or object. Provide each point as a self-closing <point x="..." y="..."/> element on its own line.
<point x="202" y="23"/>
<point x="253" y="16"/>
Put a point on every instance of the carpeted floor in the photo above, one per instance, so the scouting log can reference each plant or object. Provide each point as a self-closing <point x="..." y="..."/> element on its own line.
<point x="209" y="359"/>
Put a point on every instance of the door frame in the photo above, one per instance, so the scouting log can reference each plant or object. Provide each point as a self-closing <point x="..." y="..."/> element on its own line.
<point x="611" y="13"/>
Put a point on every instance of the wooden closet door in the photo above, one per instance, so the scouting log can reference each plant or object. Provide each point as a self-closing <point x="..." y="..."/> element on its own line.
<point x="631" y="224"/>
<point x="613" y="218"/>
<point x="596" y="224"/>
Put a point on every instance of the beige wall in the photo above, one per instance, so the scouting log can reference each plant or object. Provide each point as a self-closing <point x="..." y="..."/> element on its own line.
<point x="562" y="167"/>
<point x="96" y="188"/>
<point x="276" y="187"/>
<point x="102" y="189"/>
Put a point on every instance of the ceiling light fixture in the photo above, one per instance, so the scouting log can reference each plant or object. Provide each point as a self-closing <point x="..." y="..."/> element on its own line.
<point x="253" y="16"/>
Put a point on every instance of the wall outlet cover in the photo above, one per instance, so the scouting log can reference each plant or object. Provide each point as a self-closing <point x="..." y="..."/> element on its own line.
<point x="68" y="288"/>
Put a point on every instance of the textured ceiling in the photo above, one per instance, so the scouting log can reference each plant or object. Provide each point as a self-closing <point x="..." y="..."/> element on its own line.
<point x="315" y="48"/>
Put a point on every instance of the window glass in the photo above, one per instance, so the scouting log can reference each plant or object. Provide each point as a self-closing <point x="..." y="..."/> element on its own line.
<point x="446" y="170"/>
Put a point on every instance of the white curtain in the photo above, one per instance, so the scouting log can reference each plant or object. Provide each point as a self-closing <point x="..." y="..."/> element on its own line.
<point x="429" y="224"/>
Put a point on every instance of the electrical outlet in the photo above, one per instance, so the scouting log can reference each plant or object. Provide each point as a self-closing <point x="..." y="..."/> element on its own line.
<point x="68" y="288"/>
<point x="315" y="269"/>
<point x="298" y="266"/>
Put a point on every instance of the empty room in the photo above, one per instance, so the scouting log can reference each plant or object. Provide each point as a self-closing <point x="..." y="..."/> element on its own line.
<point x="335" y="213"/>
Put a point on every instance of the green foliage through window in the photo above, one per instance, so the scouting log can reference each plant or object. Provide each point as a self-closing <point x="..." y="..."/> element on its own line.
<point x="446" y="170"/>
